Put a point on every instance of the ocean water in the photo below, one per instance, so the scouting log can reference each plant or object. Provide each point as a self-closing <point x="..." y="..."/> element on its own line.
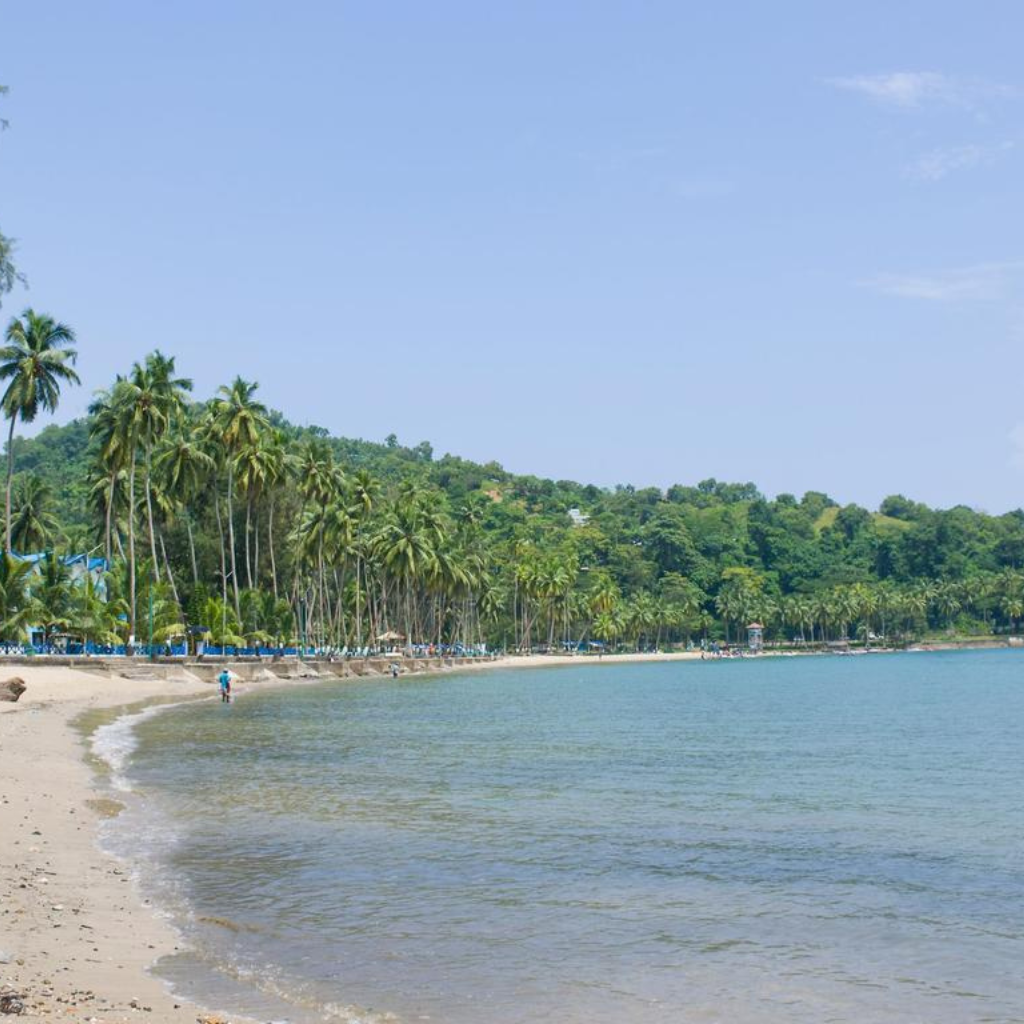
<point x="796" y="839"/>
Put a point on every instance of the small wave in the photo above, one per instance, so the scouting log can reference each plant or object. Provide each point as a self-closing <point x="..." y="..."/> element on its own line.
<point x="262" y="991"/>
<point x="115" y="743"/>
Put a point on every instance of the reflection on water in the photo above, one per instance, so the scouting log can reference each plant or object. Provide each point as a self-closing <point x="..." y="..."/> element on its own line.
<point x="799" y="840"/>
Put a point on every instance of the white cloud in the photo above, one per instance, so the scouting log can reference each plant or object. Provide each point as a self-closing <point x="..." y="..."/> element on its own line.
<point x="940" y="163"/>
<point x="983" y="282"/>
<point x="905" y="89"/>
<point x="915" y="90"/>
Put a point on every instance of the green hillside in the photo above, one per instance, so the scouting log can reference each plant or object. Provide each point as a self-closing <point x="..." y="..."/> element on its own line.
<point x="345" y="540"/>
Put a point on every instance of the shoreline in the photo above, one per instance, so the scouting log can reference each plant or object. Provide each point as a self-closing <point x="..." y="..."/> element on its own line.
<point x="77" y="934"/>
<point x="75" y="944"/>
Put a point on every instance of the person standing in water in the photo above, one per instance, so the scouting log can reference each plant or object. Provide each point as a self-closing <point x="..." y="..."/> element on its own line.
<point x="225" y="686"/>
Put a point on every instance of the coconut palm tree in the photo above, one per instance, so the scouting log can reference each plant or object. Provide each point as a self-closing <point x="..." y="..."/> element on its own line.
<point x="404" y="547"/>
<point x="9" y="274"/>
<point x="257" y="466"/>
<point x="278" y="473"/>
<point x="91" y="613"/>
<point x="237" y="421"/>
<point x="142" y="406"/>
<point x="109" y="436"/>
<point x="365" y="490"/>
<point x="157" y="399"/>
<point x="948" y="601"/>
<point x="36" y="361"/>
<point x="34" y="521"/>
<point x="52" y="593"/>
<point x="16" y="606"/>
<point x="608" y="625"/>
<point x="184" y="467"/>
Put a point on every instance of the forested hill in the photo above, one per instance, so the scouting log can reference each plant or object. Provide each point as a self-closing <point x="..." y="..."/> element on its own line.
<point x="704" y="555"/>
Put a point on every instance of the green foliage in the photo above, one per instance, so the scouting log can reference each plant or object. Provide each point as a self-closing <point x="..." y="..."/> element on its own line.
<point x="17" y="610"/>
<point x="346" y="540"/>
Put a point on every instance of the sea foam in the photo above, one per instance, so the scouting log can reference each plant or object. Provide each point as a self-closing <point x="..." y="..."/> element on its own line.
<point x="115" y="742"/>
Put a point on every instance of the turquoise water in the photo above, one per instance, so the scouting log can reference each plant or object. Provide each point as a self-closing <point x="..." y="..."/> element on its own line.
<point x="800" y="840"/>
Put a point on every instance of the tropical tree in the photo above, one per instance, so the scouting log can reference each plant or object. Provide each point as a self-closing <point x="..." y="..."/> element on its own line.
<point x="36" y="361"/>
<point x="109" y="437"/>
<point x="92" y="613"/>
<point x="219" y="617"/>
<point x="141" y="407"/>
<point x="34" y="520"/>
<point x="16" y="607"/>
<point x="608" y="626"/>
<point x="52" y="593"/>
<point x="237" y="420"/>
<point x="155" y="400"/>
<point x="184" y="466"/>
<point x="9" y="274"/>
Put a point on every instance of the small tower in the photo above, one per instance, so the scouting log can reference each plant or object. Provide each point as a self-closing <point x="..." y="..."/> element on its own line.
<point x="755" y="636"/>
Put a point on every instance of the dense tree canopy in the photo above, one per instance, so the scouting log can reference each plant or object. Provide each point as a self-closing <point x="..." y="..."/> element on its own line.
<point x="220" y="513"/>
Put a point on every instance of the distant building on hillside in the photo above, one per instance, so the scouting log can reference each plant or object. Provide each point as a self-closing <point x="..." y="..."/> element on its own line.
<point x="578" y="518"/>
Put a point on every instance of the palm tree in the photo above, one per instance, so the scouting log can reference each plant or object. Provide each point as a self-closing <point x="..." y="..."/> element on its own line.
<point x="142" y="406"/>
<point x="157" y="399"/>
<point x="823" y="610"/>
<point x="608" y="625"/>
<point x="34" y="522"/>
<point x="16" y="606"/>
<point x="9" y="275"/>
<point x="184" y="467"/>
<point x="91" y="613"/>
<point x="365" y="490"/>
<point x="53" y="594"/>
<point x="404" y="547"/>
<point x="278" y="473"/>
<point x="36" y="361"/>
<point x="257" y="467"/>
<point x="237" y="422"/>
<point x="106" y="431"/>
<point x="948" y="601"/>
<point x="641" y="615"/>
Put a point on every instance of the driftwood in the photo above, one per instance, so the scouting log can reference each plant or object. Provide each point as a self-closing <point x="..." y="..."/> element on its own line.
<point x="12" y="689"/>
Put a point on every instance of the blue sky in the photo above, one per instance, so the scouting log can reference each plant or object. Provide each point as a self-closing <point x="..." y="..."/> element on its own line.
<point x="648" y="242"/>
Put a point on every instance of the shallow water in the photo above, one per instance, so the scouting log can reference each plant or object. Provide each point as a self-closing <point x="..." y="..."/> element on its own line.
<point x="800" y="840"/>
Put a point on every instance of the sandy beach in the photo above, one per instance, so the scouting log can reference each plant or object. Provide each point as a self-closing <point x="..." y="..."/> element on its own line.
<point x="76" y="934"/>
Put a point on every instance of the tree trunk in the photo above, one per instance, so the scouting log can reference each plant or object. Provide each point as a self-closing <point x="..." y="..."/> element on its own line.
<point x="10" y="480"/>
<point x="149" y="513"/>
<point x="131" y="544"/>
<point x="231" y="539"/>
<point x="256" y="547"/>
<point x="110" y="514"/>
<point x="191" y="547"/>
<point x="270" y="541"/>
<point x="359" y="608"/>
<point x="223" y="553"/>
<point x="170" y="575"/>
<point x="248" y="532"/>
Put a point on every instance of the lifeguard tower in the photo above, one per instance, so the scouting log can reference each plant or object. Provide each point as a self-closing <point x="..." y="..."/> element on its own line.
<point x="755" y="636"/>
